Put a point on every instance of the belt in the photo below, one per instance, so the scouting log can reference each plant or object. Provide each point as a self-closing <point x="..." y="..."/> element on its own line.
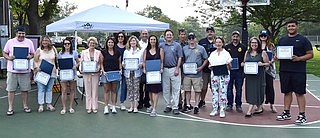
<point x="169" y="66"/>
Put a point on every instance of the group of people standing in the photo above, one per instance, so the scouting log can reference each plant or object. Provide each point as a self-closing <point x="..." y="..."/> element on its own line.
<point x="186" y="64"/>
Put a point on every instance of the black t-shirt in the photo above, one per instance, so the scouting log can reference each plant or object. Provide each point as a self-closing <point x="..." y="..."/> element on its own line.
<point x="110" y="62"/>
<point x="300" y="46"/>
<point x="237" y="51"/>
<point x="210" y="47"/>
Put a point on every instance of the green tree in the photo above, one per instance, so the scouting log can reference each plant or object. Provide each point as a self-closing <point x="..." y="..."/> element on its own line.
<point x="36" y="14"/>
<point x="191" y="24"/>
<point x="156" y="14"/>
<point x="272" y="17"/>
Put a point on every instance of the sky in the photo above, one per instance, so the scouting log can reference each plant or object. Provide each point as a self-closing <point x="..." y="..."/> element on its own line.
<point x="171" y="8"/>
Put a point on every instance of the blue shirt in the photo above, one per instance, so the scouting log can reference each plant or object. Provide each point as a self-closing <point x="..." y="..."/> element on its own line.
<point x="172" y="52"/>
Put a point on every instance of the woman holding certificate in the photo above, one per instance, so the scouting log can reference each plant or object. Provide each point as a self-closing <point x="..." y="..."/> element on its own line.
<point x="219" y="63"/>
<point x="270" y="49"/>
<point x="67" y="52"/>
<point x="111" y="73"/>
<point x="154" y="53"/>
<point x="132" y="63"/>
<point x="46" y="53"/>
<point x="90" y="63"/>
<point x="255" y="61"/>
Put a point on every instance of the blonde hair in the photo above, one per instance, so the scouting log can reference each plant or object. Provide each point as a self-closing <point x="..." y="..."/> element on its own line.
<point x="92" y="39"/>
<point x="128" y="46"/>
<point x="49" y="40"/>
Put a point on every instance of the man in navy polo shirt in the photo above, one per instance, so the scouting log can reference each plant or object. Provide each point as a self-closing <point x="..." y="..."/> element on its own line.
<point x="236" y="50"/>
<point x="208" y="44"/>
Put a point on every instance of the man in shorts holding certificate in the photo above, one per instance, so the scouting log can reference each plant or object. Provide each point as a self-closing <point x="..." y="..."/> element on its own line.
<point x="193" y="54"/>
<point x="18" y="78"/>
<point x="293" y="71"/>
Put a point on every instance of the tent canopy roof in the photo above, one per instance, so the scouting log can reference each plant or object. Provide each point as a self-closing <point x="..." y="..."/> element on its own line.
<point x="106" y="18"/>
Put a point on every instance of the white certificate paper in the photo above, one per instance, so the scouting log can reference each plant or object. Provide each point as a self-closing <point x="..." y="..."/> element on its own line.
<point x="251" y="68"/>
<point x="153" y="77"/>
<point x="42" y="78"/>
<point x="66" y="74"/>
<point x="20" y="64"/>
<point x="131" y="63"/>
<point x="284" y="52"/>
<point x="190" y="68"/>
<point x="89" y="66"/>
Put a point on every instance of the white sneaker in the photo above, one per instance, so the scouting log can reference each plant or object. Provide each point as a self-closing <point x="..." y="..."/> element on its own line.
<point x="114" y="110"/>
<point x="106" y="110"/>
<point x="122" y="107"/>
<point x="213" y="113"/>
<point x="149" y="110"/>
<point x="222" y="114"/>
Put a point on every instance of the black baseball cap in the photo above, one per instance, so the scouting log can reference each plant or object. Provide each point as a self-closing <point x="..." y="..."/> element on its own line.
<point x="20" y="29"/>
<point x="210" y="28"/>
<point x="264" y="33"/>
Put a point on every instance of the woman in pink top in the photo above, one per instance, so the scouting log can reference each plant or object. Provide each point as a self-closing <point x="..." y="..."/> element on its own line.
<point x="47" y="52"/>
<point x="91" y="80"/>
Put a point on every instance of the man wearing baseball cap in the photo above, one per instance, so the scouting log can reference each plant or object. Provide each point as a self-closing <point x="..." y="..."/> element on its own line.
<point x="237" y="52"/>
<point x="193" y="54"/>
<point x="18" y="78"/>
<point x="208" y="44"/>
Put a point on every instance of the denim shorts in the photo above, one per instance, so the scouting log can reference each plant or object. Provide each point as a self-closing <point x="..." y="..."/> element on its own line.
<point x="103" y="79"/>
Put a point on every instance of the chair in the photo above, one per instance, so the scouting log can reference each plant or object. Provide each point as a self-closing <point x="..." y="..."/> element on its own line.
<point x="57" y="87"/>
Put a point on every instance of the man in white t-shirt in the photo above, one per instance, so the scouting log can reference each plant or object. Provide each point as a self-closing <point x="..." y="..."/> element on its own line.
<point x="144" y="99"/>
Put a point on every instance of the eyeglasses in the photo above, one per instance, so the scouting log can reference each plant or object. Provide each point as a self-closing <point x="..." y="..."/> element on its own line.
<point x="67" y="43"/>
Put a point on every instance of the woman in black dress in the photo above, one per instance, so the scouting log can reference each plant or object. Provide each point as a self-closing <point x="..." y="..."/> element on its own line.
<point x="153" y="52"/>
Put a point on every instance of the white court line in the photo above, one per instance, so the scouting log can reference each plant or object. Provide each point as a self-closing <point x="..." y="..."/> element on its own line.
<point x="17" y="94"/>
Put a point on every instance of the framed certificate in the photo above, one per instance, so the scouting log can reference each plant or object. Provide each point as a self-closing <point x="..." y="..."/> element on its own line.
<point x="234" y="64"/>
<point x="153" y="77"/>
<point x="131" y="63"/>
<point x="66" y="74"/>
<point x="113" y="76"/>
<point x="42" y="78"/>
<point x="89" y="66"/>
<point x="190" y="68"/>
<point x="284" y="52"/>
<point x="251" y="68"/>
<point x="20" y="64"/>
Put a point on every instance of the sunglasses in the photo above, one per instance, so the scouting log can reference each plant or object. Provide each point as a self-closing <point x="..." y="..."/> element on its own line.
<point x="120" y="36"/>
<point x="263" y="36"/>
<point x="190" y="38"/>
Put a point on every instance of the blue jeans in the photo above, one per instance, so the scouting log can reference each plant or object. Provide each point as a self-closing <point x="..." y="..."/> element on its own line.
<point x="237" y="79"/>
<point x="123" y="92"/>
<point x="45" y="91"/>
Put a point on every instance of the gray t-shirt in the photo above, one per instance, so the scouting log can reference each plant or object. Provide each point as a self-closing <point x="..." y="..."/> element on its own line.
<point x="171" y="54"/>
<point x="197" y="55"/>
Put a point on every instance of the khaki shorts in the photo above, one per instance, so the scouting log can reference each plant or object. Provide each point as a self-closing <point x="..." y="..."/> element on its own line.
<point x="196" y="83"/>
<point x="15" y="80"/>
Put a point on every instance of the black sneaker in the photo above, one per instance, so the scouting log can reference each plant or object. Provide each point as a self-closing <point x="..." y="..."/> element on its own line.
<point x="202" y="104"/>
<point x="284" y="116"/>
<point x="228" y="108"/>
<point x="186" y="109"/>
<point x="179" y="106"/>
<point x="196" y="110"/>
<point x="239" y="109"/>
<point x="175" y="111"/>
<point x="302" y="120"/>
<point x="167" y="110"/>
<point x="140" y="106"/>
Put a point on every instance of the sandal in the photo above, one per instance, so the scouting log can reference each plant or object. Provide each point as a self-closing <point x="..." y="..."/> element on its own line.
<point x="95" y="111"/>
<point x="50" y="107"/>
<point x="9" y="113"/>
<point x="71" y="111"/>
<point x="63" y="111"/>
<point x="27" y="110"/>
<point x="40" y="109"/>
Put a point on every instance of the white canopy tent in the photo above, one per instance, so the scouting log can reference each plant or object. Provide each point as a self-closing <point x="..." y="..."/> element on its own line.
<point x="106" y="18"/>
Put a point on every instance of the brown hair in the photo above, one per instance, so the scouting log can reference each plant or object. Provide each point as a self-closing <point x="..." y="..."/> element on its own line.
<point x="128" y="46"/>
